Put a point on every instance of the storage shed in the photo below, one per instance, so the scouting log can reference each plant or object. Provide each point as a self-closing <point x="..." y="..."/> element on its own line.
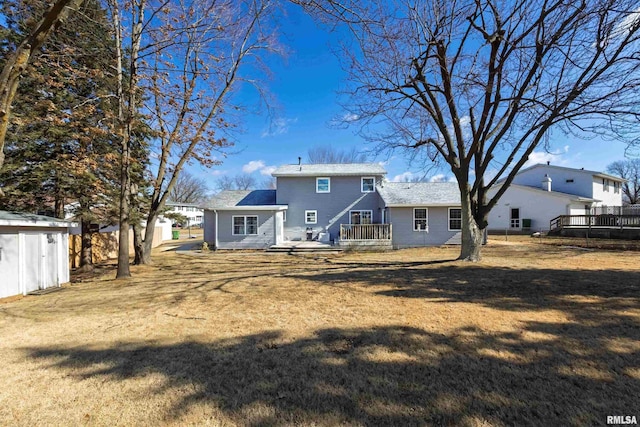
<point x="34" y="253"/>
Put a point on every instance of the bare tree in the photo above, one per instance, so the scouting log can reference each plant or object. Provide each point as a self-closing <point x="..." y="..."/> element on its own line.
<point x="328" y="154"/>
<point x="629" y="170"/>
<point x="209" y="49"/>
<point x="189" y="189"/>
<point x="17" y="62"/>
<point x="479" y="84"/>
<point x="238" y="182"/>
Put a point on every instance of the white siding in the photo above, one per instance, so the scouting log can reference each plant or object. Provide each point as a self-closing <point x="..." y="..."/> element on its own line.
<point x="609" y="198"/>
<point x="541" y="208"/>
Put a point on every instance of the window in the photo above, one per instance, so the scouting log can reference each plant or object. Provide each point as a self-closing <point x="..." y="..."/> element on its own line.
<point x="310" y="217"/>
<point x="368" y="185"/>
<point x="323" y="185"/>
<point x="616" y="187"/>
<point x="420" y="220"/>
<point x="515" y="218"/>
<point x="605" y="184"/>
<point x="360" y="217"/>
<point x="455" y="219"/>
<point x="284" y="216"/>
<point x="245" y="225"/>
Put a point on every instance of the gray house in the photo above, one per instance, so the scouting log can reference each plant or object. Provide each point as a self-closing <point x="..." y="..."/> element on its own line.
<point x="341" y="204"/>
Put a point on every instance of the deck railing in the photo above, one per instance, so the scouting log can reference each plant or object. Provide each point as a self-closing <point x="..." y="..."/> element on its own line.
<point x="605" y="220"/>
<point x="365" y="231"/>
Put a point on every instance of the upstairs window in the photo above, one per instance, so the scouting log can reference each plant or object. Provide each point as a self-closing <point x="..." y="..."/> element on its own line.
<point x="368" y="184"/>
<point x="455" y="219"/>
<point x="323" y="185"/>
<point x="616" y="187"/>
<point x="420" y="219"/>
<point x="605" y="184"/>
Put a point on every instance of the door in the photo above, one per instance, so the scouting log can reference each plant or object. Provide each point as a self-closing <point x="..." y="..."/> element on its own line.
<point x="515" y="217"/>
<point x="9" y="265"/>
<point x="32" y="261"/>
<point x="50" y="262"/>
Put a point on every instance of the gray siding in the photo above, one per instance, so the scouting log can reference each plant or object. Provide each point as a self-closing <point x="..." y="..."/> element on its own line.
<point x="299" y="193"/>
<point x="210" y="228"/>
<point x="438" y="234"/>
<point x="264" y="238"/>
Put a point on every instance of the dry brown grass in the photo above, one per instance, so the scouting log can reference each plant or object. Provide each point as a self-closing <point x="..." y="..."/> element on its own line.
<point x="532" y="335"/>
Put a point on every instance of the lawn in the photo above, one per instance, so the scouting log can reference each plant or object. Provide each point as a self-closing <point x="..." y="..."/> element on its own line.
<point x="533" y="335"/>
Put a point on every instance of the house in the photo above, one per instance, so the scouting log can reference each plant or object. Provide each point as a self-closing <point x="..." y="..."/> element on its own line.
<point x="343" y="204"/>
<point x="192" y="211"/>
<point x="34" y="253"/>
<point x="540" y="193"/>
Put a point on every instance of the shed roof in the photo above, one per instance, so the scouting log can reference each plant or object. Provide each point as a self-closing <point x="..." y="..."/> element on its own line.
<point x="330" y="169"/>
<point x="244" y="199"/>
<point x="23" y="219"/>
<point x="400" y="194"/>
<point x="564" y="168"/>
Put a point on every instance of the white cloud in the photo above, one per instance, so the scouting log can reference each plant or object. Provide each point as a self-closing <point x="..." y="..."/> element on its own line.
<point x="438" y="178"/>
<point x="403" y="177"/>
<point x="350" y="117"/>
<point x="267" y="170"/>
<point x="278" y="126"/>
<point x="555" y="158"/>
<point x="258" y="166"/>
<point x="217" y="172"/>
<point x="253" y="166"/>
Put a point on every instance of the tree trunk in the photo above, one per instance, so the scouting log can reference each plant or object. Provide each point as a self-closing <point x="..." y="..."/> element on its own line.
<point x="138" y="245"/>
<point x="148" y="236"/>
<point x="123" y="220"/>
<point x="86" y="249"/>
<point x="16" y="63"/>
<point x="472" y="234"/>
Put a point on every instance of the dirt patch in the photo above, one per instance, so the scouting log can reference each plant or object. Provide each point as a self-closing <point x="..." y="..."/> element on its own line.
<point x="534" y="334"/>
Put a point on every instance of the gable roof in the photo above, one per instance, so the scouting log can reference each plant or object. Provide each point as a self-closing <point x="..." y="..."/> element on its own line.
<point x="564" y="168"/>
<point x="572" y="197"/>
<point x="23" y="219"/>
<point x="330" y="169"/>
<point x="245" y="200"/>
<point x="406" y="194"/>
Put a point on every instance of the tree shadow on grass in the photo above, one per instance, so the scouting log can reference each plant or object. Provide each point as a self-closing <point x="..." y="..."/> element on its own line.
<point x="382" y="376"/>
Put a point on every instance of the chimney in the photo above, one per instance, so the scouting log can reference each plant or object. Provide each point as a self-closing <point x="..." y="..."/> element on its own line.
<point x="299" y="163"/>
<point x="546" y="183"/>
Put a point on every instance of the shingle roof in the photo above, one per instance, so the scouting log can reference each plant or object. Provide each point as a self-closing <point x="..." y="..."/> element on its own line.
<point x="26" y="219"/>
<point x="239" y="198"/>
<point x="332" y="169"/>
<point x="590" y="172"/>
<point x="554" y="193"/>
<point x="420" y="193"/>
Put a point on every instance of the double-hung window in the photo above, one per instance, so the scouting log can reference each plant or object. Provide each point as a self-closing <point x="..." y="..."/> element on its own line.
<point x="420" y="219"/>
<point x="323" y="185"/>
<point x="368" y="184"/>
<point x="245" y="225"/>
<point x="616" y="187"/>
<point x="455" y="219"/>
<point x="605" y="184"/>
<point x="310" y="217"/>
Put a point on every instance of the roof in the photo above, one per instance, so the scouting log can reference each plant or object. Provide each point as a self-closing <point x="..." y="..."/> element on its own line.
<point x="590" y="172"/>
<point x="330" y="169"/>
<point x="245" y="200"/>
<point x="181" y="204"/>
<point x="400" y="194"/>
<point x="573" y="197"/>
<point x="23" y="219"/>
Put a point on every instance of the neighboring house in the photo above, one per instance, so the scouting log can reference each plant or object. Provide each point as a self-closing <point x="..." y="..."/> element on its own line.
<point x="34" y="253"/>
<point x="192" y="211"/>
<point x="540" y="193"/>
<point x="347" y="204"/>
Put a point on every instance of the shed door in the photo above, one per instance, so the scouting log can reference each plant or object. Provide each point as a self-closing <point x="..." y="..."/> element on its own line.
<point x="32" y="261"/>
<point x="51" y="242"/>
<point x="9" y="265"/>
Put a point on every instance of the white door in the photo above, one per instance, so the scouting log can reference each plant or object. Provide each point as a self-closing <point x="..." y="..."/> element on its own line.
<point x="9" y="265"/>
<point x="50" y="276"/>
<point x="32" y="261"/>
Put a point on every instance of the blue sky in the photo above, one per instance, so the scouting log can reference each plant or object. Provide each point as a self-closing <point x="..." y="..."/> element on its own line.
<point x="305" y="87"/>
